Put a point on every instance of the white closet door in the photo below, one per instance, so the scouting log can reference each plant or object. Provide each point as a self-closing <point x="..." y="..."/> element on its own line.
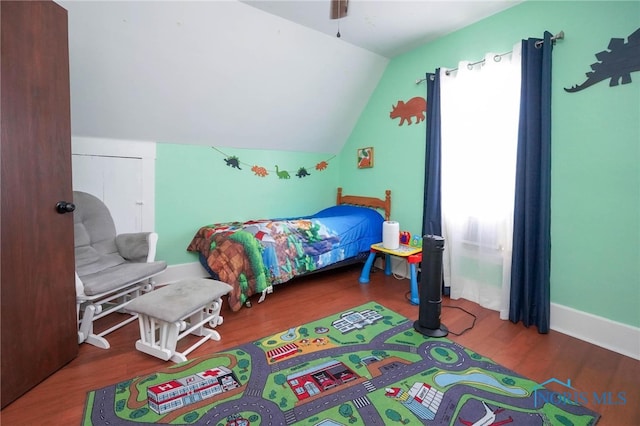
<point x="117" y="181"/>
<point x="123" y="195"/>
<point x="122" y="174"/>
<point x="87" y="174"/>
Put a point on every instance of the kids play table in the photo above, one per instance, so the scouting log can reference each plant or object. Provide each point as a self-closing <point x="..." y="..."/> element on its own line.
<point x="413" y="255"/>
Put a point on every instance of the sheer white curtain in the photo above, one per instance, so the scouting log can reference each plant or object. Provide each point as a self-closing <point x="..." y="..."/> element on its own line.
<point x="479" y="116"/>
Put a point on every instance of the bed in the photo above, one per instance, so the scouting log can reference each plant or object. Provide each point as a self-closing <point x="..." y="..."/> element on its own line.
<point x="255" y="255"/>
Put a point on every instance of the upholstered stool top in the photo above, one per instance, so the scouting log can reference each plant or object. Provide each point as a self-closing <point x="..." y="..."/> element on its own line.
<point x="173" y="302"/>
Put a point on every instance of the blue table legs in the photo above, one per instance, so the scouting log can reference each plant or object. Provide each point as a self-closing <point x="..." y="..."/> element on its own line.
<point x="366" y="270"/>
<point x="387" y="264"/>
<point x="364" y="276"/>
<point x="415" y="300"/>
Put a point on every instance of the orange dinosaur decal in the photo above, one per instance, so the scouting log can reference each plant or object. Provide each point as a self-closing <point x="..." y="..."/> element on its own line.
<point x="259" y="171"/>
<point x="414" y="107"/>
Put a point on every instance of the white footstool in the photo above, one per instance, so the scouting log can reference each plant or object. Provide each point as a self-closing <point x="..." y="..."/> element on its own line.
<point x="171" y="312"/>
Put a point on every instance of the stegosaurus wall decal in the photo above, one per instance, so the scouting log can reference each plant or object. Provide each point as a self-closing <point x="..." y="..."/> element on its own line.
<point x="616" y="64"/>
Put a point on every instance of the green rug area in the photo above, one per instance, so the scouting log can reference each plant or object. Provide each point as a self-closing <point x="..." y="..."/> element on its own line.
<point x="365" y="366"/>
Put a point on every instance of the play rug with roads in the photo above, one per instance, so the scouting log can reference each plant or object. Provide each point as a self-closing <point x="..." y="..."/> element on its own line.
<point x="365" y="366"/>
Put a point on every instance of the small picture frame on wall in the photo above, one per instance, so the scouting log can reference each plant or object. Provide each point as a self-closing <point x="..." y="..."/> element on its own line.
<point x="365" y="157"/>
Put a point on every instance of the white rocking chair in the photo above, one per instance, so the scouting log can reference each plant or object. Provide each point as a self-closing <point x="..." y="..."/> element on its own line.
<point x="111" y="269"/>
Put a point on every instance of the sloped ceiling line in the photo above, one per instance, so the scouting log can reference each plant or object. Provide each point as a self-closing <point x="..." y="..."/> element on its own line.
<point x="255" y="75"/>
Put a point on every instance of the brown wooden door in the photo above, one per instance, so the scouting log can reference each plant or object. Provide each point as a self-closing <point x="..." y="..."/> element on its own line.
<point x="38" y="319"/>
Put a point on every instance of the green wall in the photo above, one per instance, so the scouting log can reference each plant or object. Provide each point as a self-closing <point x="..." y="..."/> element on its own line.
<point x="195" y="187"/>
<point x="595" y="265"/>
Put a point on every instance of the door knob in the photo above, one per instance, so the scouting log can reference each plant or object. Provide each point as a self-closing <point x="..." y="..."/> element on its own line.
<point x="63" y="207"/>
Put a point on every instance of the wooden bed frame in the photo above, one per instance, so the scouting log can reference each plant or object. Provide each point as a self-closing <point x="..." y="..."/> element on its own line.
<point x="373" y="202"/>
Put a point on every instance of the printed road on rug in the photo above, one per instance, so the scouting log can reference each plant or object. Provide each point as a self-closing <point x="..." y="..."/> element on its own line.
<point x="366" y="366"/>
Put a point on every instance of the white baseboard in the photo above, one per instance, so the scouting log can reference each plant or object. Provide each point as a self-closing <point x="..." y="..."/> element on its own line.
<point x="615" y="336"/>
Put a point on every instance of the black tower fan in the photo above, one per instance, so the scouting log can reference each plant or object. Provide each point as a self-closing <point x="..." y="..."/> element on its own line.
<point x="430" y="307"/>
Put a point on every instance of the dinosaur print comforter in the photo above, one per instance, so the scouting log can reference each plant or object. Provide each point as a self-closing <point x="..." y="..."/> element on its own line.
<point x="254" y="255"/>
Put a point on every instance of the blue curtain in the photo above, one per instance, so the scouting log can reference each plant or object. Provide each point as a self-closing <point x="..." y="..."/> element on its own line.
<point x="431" y="213"/>
<point x="530" y="266"/>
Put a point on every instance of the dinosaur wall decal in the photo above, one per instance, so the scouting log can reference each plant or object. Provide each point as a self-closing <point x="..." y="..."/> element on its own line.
<point x="302" y="172"/>
<point x="259" y="171"/>
<point x="282" y="174"/>
<point x="233" y="161"/>
<point x="616" y="64"/>
<point x="414" y="107"/>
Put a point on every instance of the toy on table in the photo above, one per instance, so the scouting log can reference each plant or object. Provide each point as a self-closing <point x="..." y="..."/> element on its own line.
<point x="408" y="240"/>
<point x="405" y="237"/>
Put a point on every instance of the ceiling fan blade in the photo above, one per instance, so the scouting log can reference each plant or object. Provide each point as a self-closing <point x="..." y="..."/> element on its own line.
<point x="339" y="8"/>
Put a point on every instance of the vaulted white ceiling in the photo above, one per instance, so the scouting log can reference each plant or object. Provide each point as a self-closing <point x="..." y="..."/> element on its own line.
<point x="386" y="27"/>
<point x="252" y="74"/>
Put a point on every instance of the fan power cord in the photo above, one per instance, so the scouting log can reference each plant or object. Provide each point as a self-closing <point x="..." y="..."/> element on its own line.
<point x="407" y="296"/>
<point x="473" y="323"/>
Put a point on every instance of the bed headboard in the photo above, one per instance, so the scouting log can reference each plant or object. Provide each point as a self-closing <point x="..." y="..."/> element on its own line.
<point x="373" y="202"/>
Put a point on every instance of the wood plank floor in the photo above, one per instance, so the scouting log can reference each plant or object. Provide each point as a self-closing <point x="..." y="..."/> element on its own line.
<point x="59" y="400"/>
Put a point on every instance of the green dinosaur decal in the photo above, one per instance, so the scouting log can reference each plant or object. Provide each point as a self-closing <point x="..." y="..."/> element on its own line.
<point x="282" y="174"/>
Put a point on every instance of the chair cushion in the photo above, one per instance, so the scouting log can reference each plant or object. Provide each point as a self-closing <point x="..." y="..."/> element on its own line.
<point x="119" y="276"/>
<point x="94" y="235"/>
<point x="99" y="264"/>
<point x="133" y="246"/>
<point x="175" y="301"/>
